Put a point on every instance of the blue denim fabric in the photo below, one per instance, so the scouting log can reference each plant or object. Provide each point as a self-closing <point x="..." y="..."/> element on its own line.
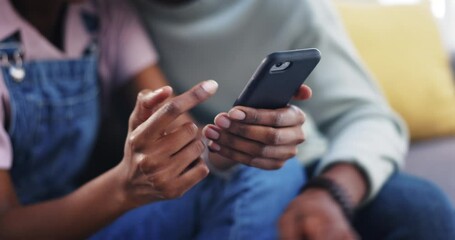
<point x="247" y="206"/>
<point x="54" y="121"/>
<point x="407" y="208"/>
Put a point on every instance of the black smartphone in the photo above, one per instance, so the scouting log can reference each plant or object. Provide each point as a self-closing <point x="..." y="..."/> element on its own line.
<point x="278" y="78"/>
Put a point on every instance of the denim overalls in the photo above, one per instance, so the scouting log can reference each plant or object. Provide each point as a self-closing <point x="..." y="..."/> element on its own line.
<point x="54" y="118"/>
<point x="53" y="124"/>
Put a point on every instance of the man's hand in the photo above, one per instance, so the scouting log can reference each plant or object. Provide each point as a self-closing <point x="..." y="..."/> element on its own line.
<point x="314" y="215"/>
<point x="262" y="138"/>
<point x="158" y="164"/>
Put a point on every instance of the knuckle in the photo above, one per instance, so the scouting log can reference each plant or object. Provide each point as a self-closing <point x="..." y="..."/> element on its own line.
<point x="141" y="95"/>
<point x="239" y="129"/>
<point x="277" y="118"/>
<point x="151" y="166"/>
<point x="191" y="129"/>
<point x="159" y="182"/>
<point x="132" y="141"/>
<point x="292" y="153"/>
<point x="141" y="161"/>
<point x="273" y="136"/>
<point x="144" y="92"/>
<point x="199" y="94"/>
<point x="199" y="147"/>
<point x="265" y="151"/>
<point x="254" y="116"/>
<point x="203" y="170"/>
<point x="300" y="137"/>
<point x="300" y="115"/>
<point x="277" y="165"/>
<point x="172" y="108"/>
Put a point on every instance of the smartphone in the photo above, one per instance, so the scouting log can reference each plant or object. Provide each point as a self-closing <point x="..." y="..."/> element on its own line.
<point x="278" y="78"/>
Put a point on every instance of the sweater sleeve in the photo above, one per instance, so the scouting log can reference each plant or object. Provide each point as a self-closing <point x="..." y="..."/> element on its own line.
<point x="347" y="105"/>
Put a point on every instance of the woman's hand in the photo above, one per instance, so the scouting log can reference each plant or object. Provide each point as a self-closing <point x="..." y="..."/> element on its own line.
<point x="162" y="165"/>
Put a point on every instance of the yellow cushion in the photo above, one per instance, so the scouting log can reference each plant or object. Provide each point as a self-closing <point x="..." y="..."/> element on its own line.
<point x="403" y="49"/>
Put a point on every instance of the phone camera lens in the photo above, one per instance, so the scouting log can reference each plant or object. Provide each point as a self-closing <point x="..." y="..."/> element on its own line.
<point x="280" y="66"/>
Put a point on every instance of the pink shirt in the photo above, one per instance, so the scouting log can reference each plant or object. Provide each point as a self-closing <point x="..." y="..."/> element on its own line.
<point x="124" y="49"/>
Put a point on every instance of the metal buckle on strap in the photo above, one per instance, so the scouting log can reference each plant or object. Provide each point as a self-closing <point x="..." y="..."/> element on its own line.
<point x="15" y="64"/>
<point x="17" y="70"/>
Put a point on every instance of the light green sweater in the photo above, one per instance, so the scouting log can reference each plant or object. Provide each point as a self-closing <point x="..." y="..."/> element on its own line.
<point x="225" y="40"/>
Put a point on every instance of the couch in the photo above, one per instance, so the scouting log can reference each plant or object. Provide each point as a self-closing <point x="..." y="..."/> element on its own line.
<point x="440" y="152"/>
<point x="403" y="49"/>
<point x="434" y="160"/>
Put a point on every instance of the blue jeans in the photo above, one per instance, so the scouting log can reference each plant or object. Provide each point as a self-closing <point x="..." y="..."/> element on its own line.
<point x="247" y="206"/>
<point x="407" y="208"/>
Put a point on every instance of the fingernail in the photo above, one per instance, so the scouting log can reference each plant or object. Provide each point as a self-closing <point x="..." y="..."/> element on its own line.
<point x="214" y="147"/>
<point x="210" y="86"/>
<point x="223" y="122"/>
<point x="212" y="134"/>
<point x="237" y="114"/>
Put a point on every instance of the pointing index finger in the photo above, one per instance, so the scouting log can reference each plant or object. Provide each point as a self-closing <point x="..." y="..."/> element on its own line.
<point x="178" y="105"/>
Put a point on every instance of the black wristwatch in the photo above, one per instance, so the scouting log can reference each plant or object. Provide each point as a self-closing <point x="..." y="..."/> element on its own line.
<point x="336" y="192"/>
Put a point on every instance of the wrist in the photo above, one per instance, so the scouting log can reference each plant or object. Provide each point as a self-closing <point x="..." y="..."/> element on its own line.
<point x="119" y="194"/>
<point x="334" y="191"/>
<point x="350" y="178"/>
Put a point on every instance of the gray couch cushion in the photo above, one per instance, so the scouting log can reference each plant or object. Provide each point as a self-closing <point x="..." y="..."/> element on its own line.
<point x="434" y="160"/>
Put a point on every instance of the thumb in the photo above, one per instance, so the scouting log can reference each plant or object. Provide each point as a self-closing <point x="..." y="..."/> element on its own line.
<point x="303" y="93"/>
<point x="146" y="102"/>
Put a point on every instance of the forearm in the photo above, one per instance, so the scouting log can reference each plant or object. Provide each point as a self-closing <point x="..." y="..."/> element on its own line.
<point x="75" y="216"/>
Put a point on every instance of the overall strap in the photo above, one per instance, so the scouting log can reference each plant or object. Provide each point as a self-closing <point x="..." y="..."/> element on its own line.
<point x="91" y="23"/>
<point x="55" y="115"/>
